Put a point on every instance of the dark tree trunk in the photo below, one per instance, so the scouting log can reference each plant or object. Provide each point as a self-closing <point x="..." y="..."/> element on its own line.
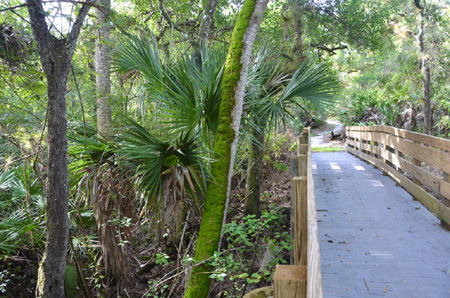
<point x="54" y="260"/>
<point x="255" y="160"/>
<point x="55" y="55"/>
<point x="299" y="55"/>
<point x="206" y="21"/>
<point x="425" y="71"/>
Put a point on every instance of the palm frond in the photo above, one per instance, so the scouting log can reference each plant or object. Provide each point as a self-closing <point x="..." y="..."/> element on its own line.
<point x="186" y="91"/>
<point x="313" y="83"/>
<point x="20" y="229"/>
<point x="140" y="54"/>
<point x="157" y="163"/>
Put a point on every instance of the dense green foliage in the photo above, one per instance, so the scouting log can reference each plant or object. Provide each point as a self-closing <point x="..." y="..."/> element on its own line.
<point x="136" y="199"/>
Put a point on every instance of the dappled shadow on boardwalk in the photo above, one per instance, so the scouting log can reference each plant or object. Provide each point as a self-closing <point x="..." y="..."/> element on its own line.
<point x="374" y="239"/>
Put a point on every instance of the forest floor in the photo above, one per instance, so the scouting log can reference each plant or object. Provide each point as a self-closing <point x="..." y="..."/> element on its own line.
<point x="156" y="268"/>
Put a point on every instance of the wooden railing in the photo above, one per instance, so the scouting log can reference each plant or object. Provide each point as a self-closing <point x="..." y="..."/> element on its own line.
<point x="304" y="277"/>
<point x="403" y="155"/>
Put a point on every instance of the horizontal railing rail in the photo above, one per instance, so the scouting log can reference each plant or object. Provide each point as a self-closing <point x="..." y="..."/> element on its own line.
<point x="419" y="163"/>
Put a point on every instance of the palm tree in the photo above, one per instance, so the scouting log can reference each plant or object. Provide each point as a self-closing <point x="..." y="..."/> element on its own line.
<point x="165" y="173"/>
<point x="186" y="95"/>
<point x="272" y="96"/>
<point x="186" y="92"/>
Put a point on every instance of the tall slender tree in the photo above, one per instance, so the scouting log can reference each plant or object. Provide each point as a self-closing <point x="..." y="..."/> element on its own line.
<point x="297" y="10"/>
<point x="102" y="67"/>
<point x="218" y="193"/>
<point x="56" y="56"/>
<point x="207" y="20"/>
<point x="425" y="70"/>
<point x="272" y="96"/>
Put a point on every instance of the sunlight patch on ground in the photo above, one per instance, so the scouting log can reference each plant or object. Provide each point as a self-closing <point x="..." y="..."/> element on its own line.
<point x="335" y="166"/>
<point x="358" y="167"/>
<point x="377" y="183"/>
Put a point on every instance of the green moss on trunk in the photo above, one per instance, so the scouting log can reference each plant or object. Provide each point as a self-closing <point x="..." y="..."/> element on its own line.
<point x="209" y="235"/>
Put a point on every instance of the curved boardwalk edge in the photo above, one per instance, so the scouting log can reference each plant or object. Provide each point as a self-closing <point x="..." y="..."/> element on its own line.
<point x="374" y="239"/>
<point x="397" y="151"/>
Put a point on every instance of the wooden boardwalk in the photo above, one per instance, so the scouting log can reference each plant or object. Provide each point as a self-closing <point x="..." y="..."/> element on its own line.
<point x="374" y="240"/>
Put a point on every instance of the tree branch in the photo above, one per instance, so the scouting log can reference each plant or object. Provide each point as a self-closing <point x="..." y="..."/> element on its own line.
<point x="88" y="3"/>
<point x="174" y="25"/>
<point x="329" y="50"/>
<point x="73" y="34"/>
<point x="13" y="8"/>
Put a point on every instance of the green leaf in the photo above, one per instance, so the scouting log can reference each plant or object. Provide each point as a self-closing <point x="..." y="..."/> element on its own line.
<point x="40" y="88"/>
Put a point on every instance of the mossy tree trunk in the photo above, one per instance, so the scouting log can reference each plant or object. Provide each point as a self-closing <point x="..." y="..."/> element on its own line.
<point x="233" y="89"/>
<point x="255" y="160"/>
<point x="56" y="56"/>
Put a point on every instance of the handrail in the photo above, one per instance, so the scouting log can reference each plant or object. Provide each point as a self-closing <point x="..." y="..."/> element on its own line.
<point x="402" y="154"/>
<point x="304" y="277"/>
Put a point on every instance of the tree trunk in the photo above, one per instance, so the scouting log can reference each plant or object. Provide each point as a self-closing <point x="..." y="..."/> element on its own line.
<point x="253" y="187"/>
<point x="102" y="68"/>
<point x="207" y="18"/>
<point x="425" y="71"/>
<point x="299" y="54"/>
<point x="54" y="260"/>
<point x="56" y="56"/>
<point x="233" y="88"/>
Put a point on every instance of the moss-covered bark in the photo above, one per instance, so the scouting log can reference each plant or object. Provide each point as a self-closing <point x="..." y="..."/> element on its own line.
<point x="233" y="88"/>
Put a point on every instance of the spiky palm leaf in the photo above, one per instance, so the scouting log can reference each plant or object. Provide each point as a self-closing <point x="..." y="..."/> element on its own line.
<point x="163" y="169"/>
<point x="187" y="92"/>
<point x="312" y="82"/>
<point x="87" y="153"/>
<point x="23" y="228"/>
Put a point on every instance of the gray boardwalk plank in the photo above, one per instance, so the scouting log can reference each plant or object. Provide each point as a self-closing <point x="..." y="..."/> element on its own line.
<point x="371" y="229"/>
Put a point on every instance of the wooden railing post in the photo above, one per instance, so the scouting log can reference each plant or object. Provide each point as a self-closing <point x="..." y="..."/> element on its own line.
<point x="303" y="279"/>
<point x="300" y="220"/>
<point x="375" y="145"/>
<point x="446" y="202"/>
<point x="416" y="181"/>
<point x="294" y="173"/>
<point x="302" y="151"/>
<point x="289" y="281"/>
<point x="385" y="160"/>
<point x="362" y="146"/>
